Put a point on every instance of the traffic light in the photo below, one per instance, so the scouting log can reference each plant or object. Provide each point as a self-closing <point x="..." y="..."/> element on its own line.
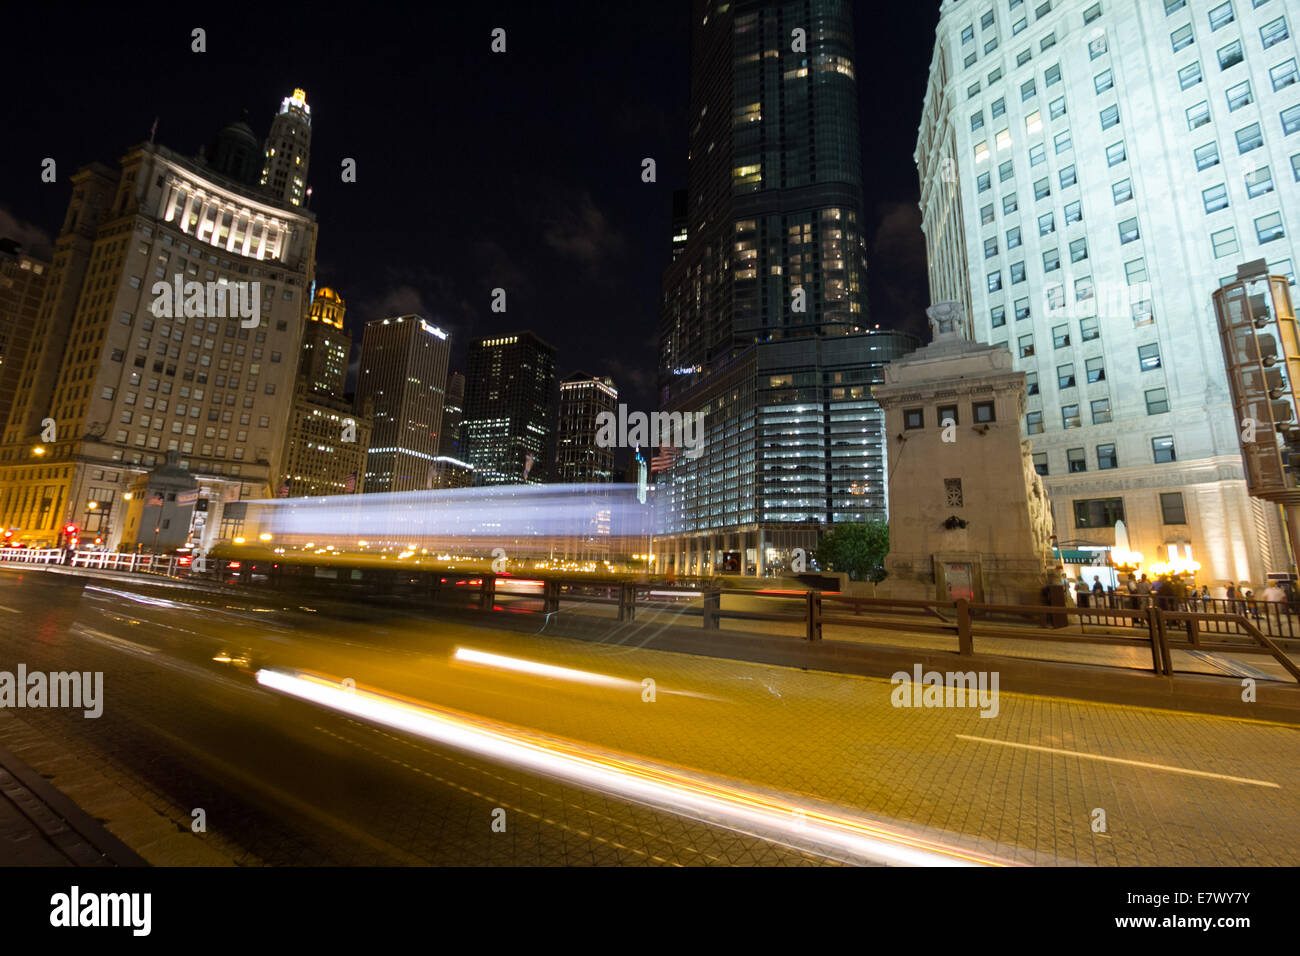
<point x="70" y="530"/>
<point x="8" y="535"/>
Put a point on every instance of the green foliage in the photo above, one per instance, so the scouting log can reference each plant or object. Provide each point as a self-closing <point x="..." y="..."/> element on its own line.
<point x="856" y="549"/>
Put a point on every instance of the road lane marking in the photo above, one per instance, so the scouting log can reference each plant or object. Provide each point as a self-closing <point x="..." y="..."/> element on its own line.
<point x="119" y="641"/>
<point x="1122" y="760"/>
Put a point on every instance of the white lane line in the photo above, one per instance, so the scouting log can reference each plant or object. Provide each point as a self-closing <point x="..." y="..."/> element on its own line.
<point x="121" y="642"/>
<point x="11" y="610"/>
<point x="1121" y="760"/>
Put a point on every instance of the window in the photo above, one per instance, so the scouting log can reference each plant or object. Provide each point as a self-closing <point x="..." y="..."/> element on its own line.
<point x="1009" y="204"/>
<point x="1019" y="25"/>
<point x="1040" y="462"/>
<point x="1026" y="343"/>
<point x="1060" y="336"/>
<point x="1135" y="271"/>
<point x="1089" y="329"/>
<point x="1249" y="138"/>
<point x="1239" y="96"/>
<point x="1259" y="182"/>
<point x="983" y="181"/>
<point x="1013" y="237"/>
<point x="1051" y="260"/>
<point x="1269" y="227"/>
<point x="1046" y="223"/>
<point x="1109" y="117"/>
<point x="968" y="34"/>
<point x="1106" y="457"/>
<point x="991" y="45"/>
<point x="1062" y="141"/>
<point x="1055" y="298"/>
<point x="981" y="151"/>
<point x="1092" y="13"/>
<point x="1230" y="55"/>
<point x="1098" y="512"/>
<point x="1100" y="411"/>
<point x="1097" y="47"/>
<point x="1047" y="43"/>
<point x="1221" y="16"/>
<point x="1017" y="272"/>
<point x="948" y="413"/>
<point x="1207" y="155"/>
<point x="1068" y="178"/>
<point x="913" y="418"/>
<point x="1171" y="508"/>
<point x="1023" y="57"/>
<point x="1274" y="32"/>
<point x="1070" y="416"/>
<point x="1189" y="75"/>
<point x="977" y="121"/>
<point x="1065" y="376"/>
<point x="1034" y="423"/>
<point x="1042" y="10"/>
<point x="1076" y="460"/>
<point x="1096" y="370"/>
<point x="1083" y="288"/>
<point x="1031" y="383"/>
<point x="1116" y="154"/>
<point x="1122" y="191"/>
<point x="1028" y="90"/>
<point x="990" y="247"/>
<point x="986" y="21"/>
<point x="999" y="107"/>
<point x="1006" y="171"/>
<point x="1290" y="120"/>
<point x="1052" y="75"/>
<point x="1103" y="81"/>
<point x="1173" y="6"/>
<point x="1295" y="167"/>
<point x="1056" y="109"/>
<point x="986" y="214"/>
<point x="1215" y="198"/>
<point x="1149" y="357"/>
<point x="1022" y="309"/>
<point x="995" y="281"/>
<point x="998" y="316"/>
<point x="1198" y="115"/>
<point x="1182" y="37"/>
<point x="973" y="90"/>
<point x="994" y="76"/>
<point x="1042" y="189"/>
<point x="1078" y="247"/>
<point x="1128" y="231"/>
<point x="1157" y="401"/>
<point x="982" y="412"/>
<point x="1224" y="241"/>
<point x="1283" y="75"/>
<point x="1162" y="449"/>
<point x="1037" y="155"/>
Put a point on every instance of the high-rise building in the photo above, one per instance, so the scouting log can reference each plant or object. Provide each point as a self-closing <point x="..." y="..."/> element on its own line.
<point x="763" y="326"/>
<point x="404" y="377"/>
<point x="1091" y="172"/>
<point x="453" y="417"/>
<point x="510" y="409"/>
<point x="328" y="439"/>
<point x="171" y="322"/>
<point x="288" y="150"/>
<point x="579" y="458"/>
<point x="774" y="246"/>
<point x="22" y="285"/>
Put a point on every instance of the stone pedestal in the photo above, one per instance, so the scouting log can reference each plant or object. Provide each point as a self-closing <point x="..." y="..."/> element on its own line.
<point x="968" y="515"/>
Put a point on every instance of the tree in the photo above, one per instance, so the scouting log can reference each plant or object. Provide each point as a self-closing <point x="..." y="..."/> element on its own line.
<point x="857" y="549"/>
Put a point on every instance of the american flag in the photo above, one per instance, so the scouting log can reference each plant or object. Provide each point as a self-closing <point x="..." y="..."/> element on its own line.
<point x="284" y="491"/>
<point x="664" y="460"/>
<point x="350" y="483"/>
<point x="155" y="501"/>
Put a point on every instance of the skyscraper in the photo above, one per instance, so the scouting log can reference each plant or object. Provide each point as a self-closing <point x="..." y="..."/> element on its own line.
<point x="1090" y="174"/>
<point x="22" y="285"/>
<point x="404" y="375"/>
<point x="170" y="322"/>
<point x="328" y="439"/>
<point x="288" y="150"/>
<point x="763" y="324"/>
<point x="510" y="409"/>
<point x="453" y="417"/>
<point x="578" y="456"/>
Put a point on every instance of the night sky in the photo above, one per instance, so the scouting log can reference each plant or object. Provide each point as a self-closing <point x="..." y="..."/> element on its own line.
<point x="474" y="170"/>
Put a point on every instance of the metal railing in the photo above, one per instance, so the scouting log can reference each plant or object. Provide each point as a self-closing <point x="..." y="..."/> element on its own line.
<point x="105" y="560"/>
<point x="1279" y="619"/>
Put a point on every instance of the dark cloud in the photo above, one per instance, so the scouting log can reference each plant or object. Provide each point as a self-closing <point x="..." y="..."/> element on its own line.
<point x="35" y="240"/>
<point x="579" y="230"/>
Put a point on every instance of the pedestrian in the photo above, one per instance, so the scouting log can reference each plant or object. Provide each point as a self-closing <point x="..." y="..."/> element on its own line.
<point x="1081" y="591"/>
<point x="1098" y="592"/>
<point x="1273" y="593"/>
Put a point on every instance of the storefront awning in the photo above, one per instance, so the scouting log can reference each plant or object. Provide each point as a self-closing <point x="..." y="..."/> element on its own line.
<point x="1082" y="557"/>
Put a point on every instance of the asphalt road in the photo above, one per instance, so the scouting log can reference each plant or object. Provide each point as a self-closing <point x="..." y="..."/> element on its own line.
<point x="463" y="745"/>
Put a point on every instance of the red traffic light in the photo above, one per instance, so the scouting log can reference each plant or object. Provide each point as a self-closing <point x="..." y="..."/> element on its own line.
<point x="8" y="534"/>
<point x="70" y="529"/>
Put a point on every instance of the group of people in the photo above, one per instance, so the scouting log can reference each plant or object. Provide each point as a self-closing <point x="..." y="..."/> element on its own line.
<point x="1170" y="592"/>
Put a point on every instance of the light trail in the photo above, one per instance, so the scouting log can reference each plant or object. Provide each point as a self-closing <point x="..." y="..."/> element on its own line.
<point x="522" y="665"/>
<point x="771" y="818"/>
